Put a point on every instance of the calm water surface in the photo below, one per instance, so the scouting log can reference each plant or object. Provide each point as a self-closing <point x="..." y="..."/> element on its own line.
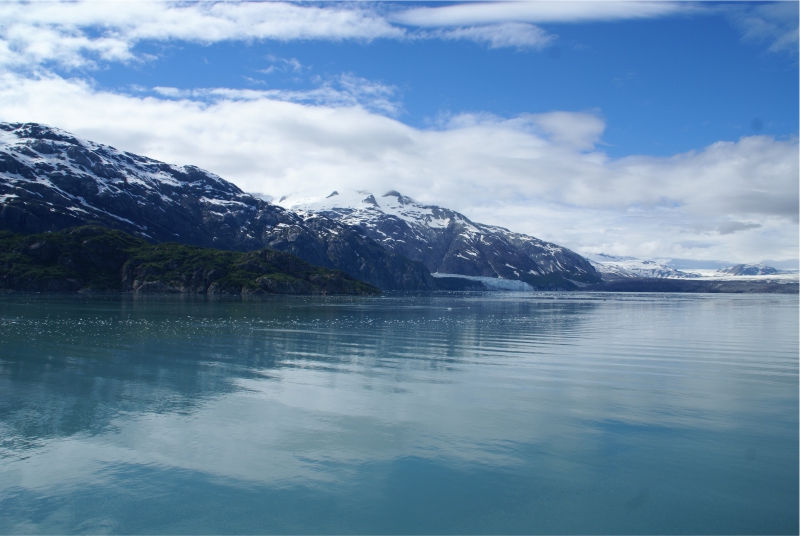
<point x="461" y="413"/>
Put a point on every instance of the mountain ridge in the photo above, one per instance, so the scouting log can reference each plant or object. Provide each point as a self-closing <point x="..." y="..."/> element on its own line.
<point x="749" y="269"/>
<point x="51" y="180"/>
<point x="615" y="267"/>
<point x="447" y="242"/>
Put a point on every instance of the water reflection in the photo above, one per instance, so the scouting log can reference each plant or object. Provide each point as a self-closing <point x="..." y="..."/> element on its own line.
<point x="79" y="362"/>
<point x="468" y="413"/>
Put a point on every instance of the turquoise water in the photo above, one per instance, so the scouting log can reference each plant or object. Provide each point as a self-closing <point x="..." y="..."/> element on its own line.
<point x="470" y="413"/>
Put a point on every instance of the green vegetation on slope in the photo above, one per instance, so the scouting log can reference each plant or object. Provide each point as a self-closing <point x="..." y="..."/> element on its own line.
<point x="96" y="258"/>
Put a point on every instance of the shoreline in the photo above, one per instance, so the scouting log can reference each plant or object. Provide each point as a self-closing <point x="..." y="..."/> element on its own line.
<point x="655" y="286"/>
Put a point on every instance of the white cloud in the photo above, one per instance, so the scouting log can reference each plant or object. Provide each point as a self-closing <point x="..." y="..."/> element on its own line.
<point x="538" y="12"/>
<point x="774" y="23"/>
<point x="540" y="173"/>
<point x="342" y="90"/>
<point x="74" y="34"/>
<point x="25" y="45"/>
<point x="79" y="34"/>
<point x="508" y="34"/>
<point x="580" y="131"/>
<point x="283" y="64"/>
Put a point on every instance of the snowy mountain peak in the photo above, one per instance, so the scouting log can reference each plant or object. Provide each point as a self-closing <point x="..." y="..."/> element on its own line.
<point x="357" y="206"/>
<point x="614" y="267"/>
<point x="446" y="241"/>
<point x="51" y="180"/>
<point x="749" y="269"/>
<point x="60" y="159"/>
<point x="401" y="199"/>
<point x="370" y="199"/>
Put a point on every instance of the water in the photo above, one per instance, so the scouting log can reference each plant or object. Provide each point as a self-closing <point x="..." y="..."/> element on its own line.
<point x="471" y="413"/>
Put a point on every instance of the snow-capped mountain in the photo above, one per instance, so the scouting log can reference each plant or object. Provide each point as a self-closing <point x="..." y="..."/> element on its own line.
<point x="50" y="180"/>
<point x="749" y="269"/>
<point x="447" y="242"/>
<point x="611" y="267"/>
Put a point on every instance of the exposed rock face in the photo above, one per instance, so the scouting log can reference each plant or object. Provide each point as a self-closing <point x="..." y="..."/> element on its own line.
<point x="327" y="243"/>
<point x="749" y="269"/>
<point x="449" y="243"/>
<point x="51" y="180"/>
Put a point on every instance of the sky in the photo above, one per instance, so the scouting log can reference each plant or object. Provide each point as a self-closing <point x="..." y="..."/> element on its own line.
<point x="662" y="130"/>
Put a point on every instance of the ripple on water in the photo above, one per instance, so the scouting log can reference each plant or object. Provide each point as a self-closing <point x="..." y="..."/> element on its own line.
<point x="534" y="413"/>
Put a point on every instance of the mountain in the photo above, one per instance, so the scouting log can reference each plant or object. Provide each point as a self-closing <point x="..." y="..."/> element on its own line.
<point x="703" y="285"/>
<point x="50" y="180"/>
<point x="612" y="268"/>
<point x="97" y="258"/>
<point x="447" y="242"/>
<point x="749" y="269"/>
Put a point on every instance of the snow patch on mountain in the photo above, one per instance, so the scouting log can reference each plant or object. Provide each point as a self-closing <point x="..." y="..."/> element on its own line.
<point x="613" y="267"/>
<point x="360" y="206"/>
<point x="51" y="180"/>
<point x="446" y="241"/>
<point x="749" y="269"/>
<point x="35" y="158"/>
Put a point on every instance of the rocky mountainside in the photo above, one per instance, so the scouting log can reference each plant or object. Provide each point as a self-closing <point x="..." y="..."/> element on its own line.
<point x="749" y="269"/>
<point x="51" y="180"/>
<point x="101" y="259"/>
<point x="447" y="242"/>
<point x="611" y="268"/>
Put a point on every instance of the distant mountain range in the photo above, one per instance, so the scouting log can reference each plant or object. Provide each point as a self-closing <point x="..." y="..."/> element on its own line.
<point x="749" y="269"/>
<point x="51" y="180"/>
<point x="448" y="242"/>
<point x="612" y="267"/>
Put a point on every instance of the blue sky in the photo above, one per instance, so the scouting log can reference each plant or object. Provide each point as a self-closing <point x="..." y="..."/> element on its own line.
<point x="653" y="129"/>
<point x="663" y="86"/>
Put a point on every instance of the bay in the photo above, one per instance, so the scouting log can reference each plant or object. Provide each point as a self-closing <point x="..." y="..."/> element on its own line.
<point x="515" y="413"/>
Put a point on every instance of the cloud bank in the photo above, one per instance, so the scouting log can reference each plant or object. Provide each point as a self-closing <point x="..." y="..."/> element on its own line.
<point x="79" y="34"/>
<point x="536" y="12"/>
<point x="541" y="174"/>
<point x="83" y="34"/>
<point x="342" y="90"/>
